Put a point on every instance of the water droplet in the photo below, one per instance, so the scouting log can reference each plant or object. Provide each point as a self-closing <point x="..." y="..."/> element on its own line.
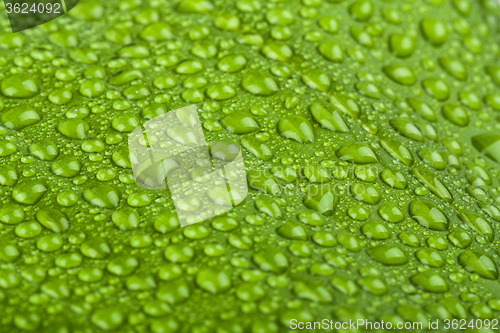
<point x="435" y="185"/>
<point x="400" y="74"/>
<point x="436" y="88"/>
<point x="19" y="86"/>
<point x="456" y="114"/>
<point x="430" y="282"/>
<point x="321" y="199"/>
<point x="20" y="117"/>
<point x="401" y="45"/>
<point x="361" y="10"/>
<point x="240" y="123"/>
<point x="102" y="196"/>
<point x="332" y="51"/>
<point x="271" y="259"/>
<point x="297" y="128"/>
<point x="391" y="213"/>
<point x="29" y="192"/>
<point x="479" y="263"/>
<point x="356" y="152"/>
<point x="53" y="220"/>
<point x="260" y="83"/>
<point x="428" y="215"/>
<point x="107" y="318"/>
<point x="436" y="32"/>
<point x="478" y="223"/>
